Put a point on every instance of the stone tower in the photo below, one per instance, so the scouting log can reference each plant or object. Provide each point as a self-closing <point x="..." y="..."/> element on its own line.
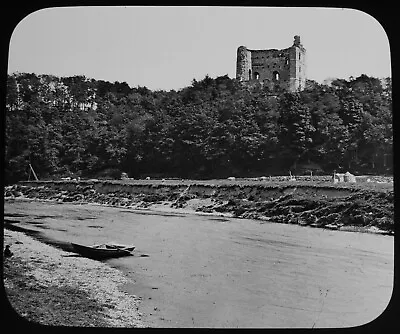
<point x="273" y="68"/>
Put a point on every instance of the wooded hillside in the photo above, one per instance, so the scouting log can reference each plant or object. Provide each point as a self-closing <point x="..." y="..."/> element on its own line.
<point x="76" y="126"/>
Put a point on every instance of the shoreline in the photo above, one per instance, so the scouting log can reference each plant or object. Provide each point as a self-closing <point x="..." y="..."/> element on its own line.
<point x="362" y="206"/>
<point x="76" y="283"/>
<point x="191" y="208"/>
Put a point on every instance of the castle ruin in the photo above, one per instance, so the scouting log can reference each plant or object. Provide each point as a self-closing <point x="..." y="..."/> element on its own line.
<point x="277" y="69"/>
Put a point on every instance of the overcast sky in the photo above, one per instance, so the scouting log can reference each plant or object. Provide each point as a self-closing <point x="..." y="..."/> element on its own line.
<point x="166" y="47"/>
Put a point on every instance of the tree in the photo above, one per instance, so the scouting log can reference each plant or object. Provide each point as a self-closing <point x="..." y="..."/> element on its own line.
<point x="296" y="128"/>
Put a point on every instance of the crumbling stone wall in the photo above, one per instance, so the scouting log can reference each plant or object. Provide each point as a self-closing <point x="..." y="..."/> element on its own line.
<point x="284" y="69"/>
<point x="243" y="63"/>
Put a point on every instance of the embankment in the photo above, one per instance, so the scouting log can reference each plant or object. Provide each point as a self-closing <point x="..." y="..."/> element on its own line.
<point x="364" y="206"/>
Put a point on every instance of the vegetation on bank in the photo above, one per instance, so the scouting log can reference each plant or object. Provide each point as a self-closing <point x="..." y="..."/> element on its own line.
<point x="76" y="126"/>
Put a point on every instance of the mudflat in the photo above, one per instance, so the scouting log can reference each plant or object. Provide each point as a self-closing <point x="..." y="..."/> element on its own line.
<point x="195" y="270"/>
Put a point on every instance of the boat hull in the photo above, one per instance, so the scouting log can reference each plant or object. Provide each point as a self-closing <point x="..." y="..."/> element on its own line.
<point x="101" y="253"/>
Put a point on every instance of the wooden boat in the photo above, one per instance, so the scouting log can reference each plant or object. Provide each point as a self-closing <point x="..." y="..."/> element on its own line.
<point x="103" y="251"/>
<point x="115" y="245"/>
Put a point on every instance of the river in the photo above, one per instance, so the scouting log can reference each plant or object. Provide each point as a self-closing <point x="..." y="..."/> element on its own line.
<point x="208" y="271"/>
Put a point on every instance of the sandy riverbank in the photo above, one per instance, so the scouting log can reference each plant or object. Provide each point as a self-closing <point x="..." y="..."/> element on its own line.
<point x="48" y="286"/>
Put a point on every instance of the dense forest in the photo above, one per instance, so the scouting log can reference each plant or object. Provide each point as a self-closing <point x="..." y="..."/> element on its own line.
<point x="76" y="126"/>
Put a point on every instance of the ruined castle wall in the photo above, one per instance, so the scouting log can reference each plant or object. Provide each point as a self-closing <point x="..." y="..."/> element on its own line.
<point x="271" y="67"/>
<point x="302" y="69"/>
<point x="274" y="68"/>
<point x="297" y="68"/>
<point x="243" y="64"/>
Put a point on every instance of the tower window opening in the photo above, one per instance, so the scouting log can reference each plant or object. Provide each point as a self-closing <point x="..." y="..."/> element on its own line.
<point x="249" y="74"/>
<point x="256" y="75"/>
<point x="275" y="76"/>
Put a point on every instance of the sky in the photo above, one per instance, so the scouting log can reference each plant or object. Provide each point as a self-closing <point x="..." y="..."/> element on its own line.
<point x="165" y="48"/>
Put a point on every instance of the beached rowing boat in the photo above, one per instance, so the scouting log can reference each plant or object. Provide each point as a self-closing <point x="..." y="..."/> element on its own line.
<point x="103" y="251"/>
